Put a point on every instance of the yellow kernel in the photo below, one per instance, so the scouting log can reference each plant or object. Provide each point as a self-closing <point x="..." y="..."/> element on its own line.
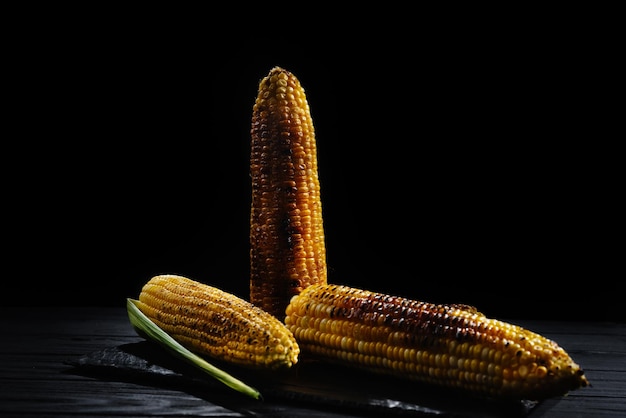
<point x="523" y="371"/>
<point x="412" y="355"/>
<point x="452" y="360"/>
<point x="323" y="325"/>
<point x="505" y="359"/>
<point x="438" y="360"/>
<point x="482" y="366"/>
<point x="346" y="343"/>
<point x="476" y="350"/>
<point x="541" y="371"/>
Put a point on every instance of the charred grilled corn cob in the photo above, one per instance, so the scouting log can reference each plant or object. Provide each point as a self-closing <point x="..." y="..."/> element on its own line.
<point x="453" y="346"/>
<point x="212" y="322"/>
<point x="287" y="249"/>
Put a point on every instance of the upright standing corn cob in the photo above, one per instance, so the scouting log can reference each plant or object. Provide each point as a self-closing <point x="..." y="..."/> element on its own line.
<point x="209" y="321"/>
<point x="287" y="248"/>
<point x="448" y="345"/>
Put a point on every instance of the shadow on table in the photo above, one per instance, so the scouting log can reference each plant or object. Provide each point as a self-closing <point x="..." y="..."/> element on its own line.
<point x="311" y="384"/>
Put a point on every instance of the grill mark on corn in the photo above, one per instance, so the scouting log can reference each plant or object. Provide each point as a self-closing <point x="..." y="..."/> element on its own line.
<point x="449" y="345"/>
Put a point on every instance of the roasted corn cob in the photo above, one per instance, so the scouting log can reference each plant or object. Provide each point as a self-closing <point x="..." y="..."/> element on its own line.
<point x="287" y="248"/>
<point x="448" y="345"/>
<point x="218" y="324"/>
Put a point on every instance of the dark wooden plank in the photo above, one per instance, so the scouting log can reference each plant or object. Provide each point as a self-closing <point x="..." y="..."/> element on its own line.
<point x="581" y="407"/>
<point x="101" y="397"/>
<point x="112" y="398"/>
<point x="35" y="379"/>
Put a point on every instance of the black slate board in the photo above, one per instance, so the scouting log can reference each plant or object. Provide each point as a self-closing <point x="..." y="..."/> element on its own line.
<point x="307" y="383"/>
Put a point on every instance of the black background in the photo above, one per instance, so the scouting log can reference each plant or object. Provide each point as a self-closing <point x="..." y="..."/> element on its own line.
<point x="467" y="167"/>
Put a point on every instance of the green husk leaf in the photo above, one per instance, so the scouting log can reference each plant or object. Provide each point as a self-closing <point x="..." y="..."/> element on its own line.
<point x="152" y="331"/>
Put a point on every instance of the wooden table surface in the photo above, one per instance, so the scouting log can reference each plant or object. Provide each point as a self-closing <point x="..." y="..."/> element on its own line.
<point x="38" y="379"/>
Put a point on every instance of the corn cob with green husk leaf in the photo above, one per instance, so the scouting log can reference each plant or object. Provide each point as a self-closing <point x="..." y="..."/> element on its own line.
<point x="217" y="324"/>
